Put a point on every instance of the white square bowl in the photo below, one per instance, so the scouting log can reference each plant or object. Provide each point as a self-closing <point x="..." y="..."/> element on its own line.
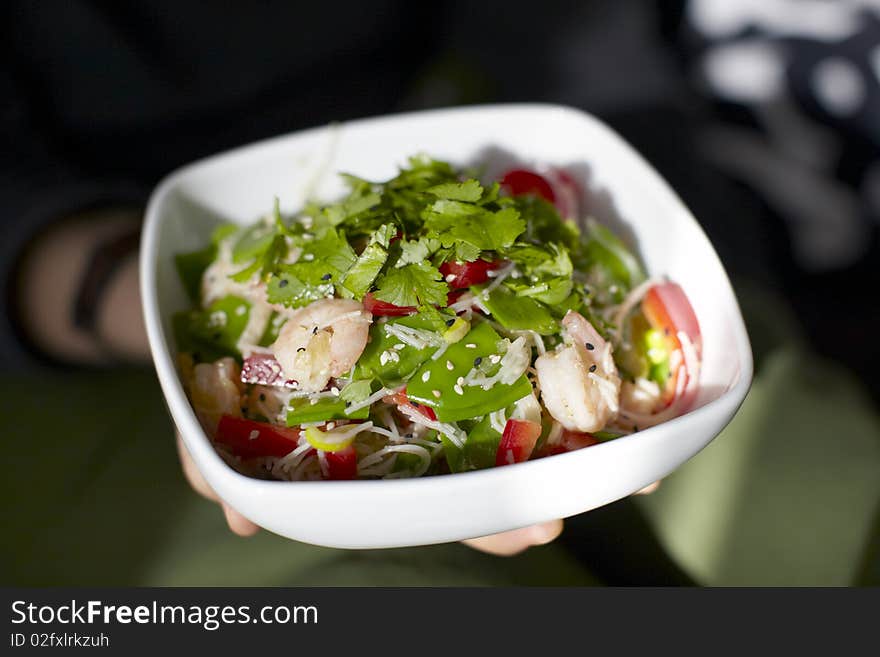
<point x="622" y="189"/>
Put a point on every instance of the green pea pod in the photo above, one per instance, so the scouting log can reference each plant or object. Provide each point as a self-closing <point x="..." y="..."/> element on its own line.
<point x="436" y="385"/>
<point x="398" y="362"/>
<point x="479" y="449"/>
<point x="326" y="408"/>
<point x="214" y="332"/>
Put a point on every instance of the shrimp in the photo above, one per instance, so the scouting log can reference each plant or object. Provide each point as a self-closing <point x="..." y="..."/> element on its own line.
<point x="580" y="386"/>
<point x="640" y="396"/>
<point x="321" y="341"/>
<point x="216" y="390"/>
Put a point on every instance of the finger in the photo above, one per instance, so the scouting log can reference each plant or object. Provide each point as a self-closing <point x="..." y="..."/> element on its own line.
<point x="192" y="474"/>
<point x="650" y="488"/>
<point x="513" y="542"/>
<point x="238" y="523"/>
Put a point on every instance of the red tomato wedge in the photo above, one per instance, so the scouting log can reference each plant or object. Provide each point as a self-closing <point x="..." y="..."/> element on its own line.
<point x="519" y="182"/>
<point x="339" y="465"/>
<point x="555" y="186"/>
<point x="250" y="439"/>
<point x="517" y="442"/>
<point x="464" y="274"/>
<point x="400" y="399"/>
<point x="381" y="308"/>
<point x="569" y="442"/>
<point x="667" y="309"/>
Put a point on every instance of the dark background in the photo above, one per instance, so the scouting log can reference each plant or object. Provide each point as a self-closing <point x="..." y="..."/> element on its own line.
<point x="102" y="99"/>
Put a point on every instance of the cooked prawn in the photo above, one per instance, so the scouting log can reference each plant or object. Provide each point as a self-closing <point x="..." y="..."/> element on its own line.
<point x="322" y="340"/>
<point x="579" y="383"/>
<point x="216" y="390"/>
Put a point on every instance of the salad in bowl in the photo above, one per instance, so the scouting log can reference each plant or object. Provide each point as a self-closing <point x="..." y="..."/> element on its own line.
<point x="432" y="323"/>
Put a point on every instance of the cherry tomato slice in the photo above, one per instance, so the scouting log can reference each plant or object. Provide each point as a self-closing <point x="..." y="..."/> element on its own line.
<point x="250" y="439"/>
<point x="381" y="308"/>
<point x="464" y="274"/>
<point x="339" y="465"/>
<point x="519" y="182"/>
<point x="517" y="442"/>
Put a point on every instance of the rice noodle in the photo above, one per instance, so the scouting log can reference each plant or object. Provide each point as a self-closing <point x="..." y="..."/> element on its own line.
<point x="500" y="276"/>
<point x="416" y="338"/>
<point x="452" y="432"/>
<point x="369" y="401"/>
<point x="629" y="302"/>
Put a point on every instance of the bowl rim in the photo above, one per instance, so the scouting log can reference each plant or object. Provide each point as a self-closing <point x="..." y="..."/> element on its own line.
<point x="215" y="468"/>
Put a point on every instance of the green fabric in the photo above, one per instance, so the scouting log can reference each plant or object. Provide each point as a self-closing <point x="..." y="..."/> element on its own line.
<point x="788" y="494"/>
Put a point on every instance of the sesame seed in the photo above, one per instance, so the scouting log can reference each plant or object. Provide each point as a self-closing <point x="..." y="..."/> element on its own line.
<point x="477" y="361"/>
<point x="460" y="380"/>
<point x="458" y="389"/>
<point x="399" y="346"/>
<point x="436" y="393"/>
<point x="283" y="282"/>
<point x="449" y="365"/>
<point x="494" y="359"/>
<point x="330" y="426"/>
<point x="471" y="345"/>
<point x="253" y="435"/>
<point x="299" y="349"/>
<point x="589" y="346"/>
<point x="593" y="367"/>
<point x="450" y="278"/>
<point x="325" y="277"/>
<point x="313" y="401"/>
<point x="315" y="331"/>
<point x="450" y="322"/>
<point x="426" y="376"/>
<point x="334" y="391"/>
<point x="308" y="257"/>
<point x="240" y="310"/>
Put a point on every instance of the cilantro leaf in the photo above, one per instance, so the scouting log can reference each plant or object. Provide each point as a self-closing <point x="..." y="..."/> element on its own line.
<point x="292" y="292"/>
<point x="358" y="279"/>
<point x="469" y="190"/>
<point x="417" y="251"/>
<point x="470" y="229"/>
<point x="418" y="284"/>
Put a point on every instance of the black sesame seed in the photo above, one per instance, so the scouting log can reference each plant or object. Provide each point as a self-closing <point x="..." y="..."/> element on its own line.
<point x="315" y="331"/>
<point x="262" y="397"/>
<point x="347" y="404"/>
<point x="325" y="277"/>
<point x="450" y="322"/>
<point x="416" y="404"/>
<point x="283" y="282"/>
<point x="589" y="346"/>
<point x="635" y="427"/>
<point x="409" y="435"/>
<point x="243" y="410"/>
<point x="299" y="349"/>
<point x="593" y="367"/>
<point x="477" y="361"/>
